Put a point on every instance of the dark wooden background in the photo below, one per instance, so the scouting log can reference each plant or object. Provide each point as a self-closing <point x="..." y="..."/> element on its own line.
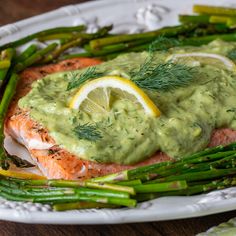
<point x="13" y="10"/>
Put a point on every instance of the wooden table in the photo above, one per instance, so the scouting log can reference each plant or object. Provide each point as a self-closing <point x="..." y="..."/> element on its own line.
<point x="13" y="10"/>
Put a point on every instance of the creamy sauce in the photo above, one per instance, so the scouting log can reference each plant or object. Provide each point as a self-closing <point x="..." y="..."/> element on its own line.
<point x="189" y="114"/>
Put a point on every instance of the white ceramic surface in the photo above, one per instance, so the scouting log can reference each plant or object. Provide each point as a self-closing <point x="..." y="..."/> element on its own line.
<point x="127" y="16"/>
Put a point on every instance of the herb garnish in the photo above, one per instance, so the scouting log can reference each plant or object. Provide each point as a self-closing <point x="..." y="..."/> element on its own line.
<point x="87" y="132"/>
<point x="232" y="54"/>
<point x="164" y="76"/>
<point x="231" y="110"/>
<point x="76" y="81"/>
<point x="163" y="43"/>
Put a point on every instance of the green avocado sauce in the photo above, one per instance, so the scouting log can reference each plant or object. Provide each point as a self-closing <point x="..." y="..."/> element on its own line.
<point x="189" y="114"/>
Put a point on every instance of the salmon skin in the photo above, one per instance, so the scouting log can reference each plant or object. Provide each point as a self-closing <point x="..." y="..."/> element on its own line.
<point x="52" y="160"/>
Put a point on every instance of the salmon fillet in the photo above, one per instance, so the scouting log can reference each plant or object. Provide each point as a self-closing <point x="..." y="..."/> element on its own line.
<point x="52" y="160"/>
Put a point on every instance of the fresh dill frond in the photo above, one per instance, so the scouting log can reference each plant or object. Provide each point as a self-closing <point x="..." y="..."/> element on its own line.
<point x="231" y="110"/>
<point x="163" y="43"/>
<point x="76" y="81"/>
<point x="164" y="76"/>
<point x="232" y="55"/>
<point x="88" y="132"/>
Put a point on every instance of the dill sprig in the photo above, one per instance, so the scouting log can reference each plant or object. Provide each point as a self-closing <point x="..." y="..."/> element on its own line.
<point x="163" y="43"/>
<point x="76" y="81"/>
<point x="88" y="132"/>
<point x="232" y="55"/>
<point x="231" y="110"/>
<point x="164" y="76"/>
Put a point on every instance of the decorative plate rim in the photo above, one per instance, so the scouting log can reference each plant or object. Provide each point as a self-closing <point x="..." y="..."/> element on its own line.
<point x="155" y="210"/>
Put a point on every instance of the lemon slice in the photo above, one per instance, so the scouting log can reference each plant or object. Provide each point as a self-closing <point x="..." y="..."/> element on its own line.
<point x="96" y="95"/>
<point x="197" y="58"/>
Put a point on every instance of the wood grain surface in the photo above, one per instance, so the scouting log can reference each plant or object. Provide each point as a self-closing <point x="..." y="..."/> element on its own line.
<point x="13" y="10"/>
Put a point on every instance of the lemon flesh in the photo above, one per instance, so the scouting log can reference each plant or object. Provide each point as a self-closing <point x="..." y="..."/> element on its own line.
<point x="97" y="95"/>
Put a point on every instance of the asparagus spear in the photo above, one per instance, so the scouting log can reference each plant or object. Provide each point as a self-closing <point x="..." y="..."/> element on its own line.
<point x="6" y="55"/>
<point x="192" y="189"/>
<point x="79" y="197"/>
<point x="11" y="187"/>
<point x="194" y="41"/>
<point x="29" y="51"/>
<point x="218" y="19"/>
<point x="6" y="99"/>
<point x="61" y="197"/>
<point x="161" y="187"/>
<point x="167" y="31"/>
<point x="215" y="153"/>
<point x="82" y="54"/>
<point x="57" y="52"/>
<point x="71" y="36"/>
<point x="80" y="205"/>
<point x="116" y="47"/>
<point x="203" y="19"/>
<point x="206" y="39"/>
<point x="130" y="182"/>
<point x="41" y="34"/>
<point x="213" y="10"/>
<point x="64" y="36"/>
<point x="76" y="184"/>
<point x="5" y="64"/>
<point x="188" y="164"/>
<point x="35" y="57"/>
<point x="201" y="175"/>
<point x="77" y="40"/>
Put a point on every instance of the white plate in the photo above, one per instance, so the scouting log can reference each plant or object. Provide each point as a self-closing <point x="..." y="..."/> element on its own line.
<point x="123" y="13"/>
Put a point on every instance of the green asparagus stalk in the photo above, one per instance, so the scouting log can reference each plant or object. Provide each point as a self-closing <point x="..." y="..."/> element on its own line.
<point x="77" y="40"/>
<point x="32" y="194"/>
<point x="35" y="57"/>
<point x="41" y="34"/>
<point x="130" y="182"/>
<point x="29" y="51"/>
<point x="231" y="22"/>
<point x="57" y="52"/>
<point x="67" y="198"/>
<point x="213" y="10"/>
<point x="12" y="197"/>
<point x="191" y="190"/>
<point x="66" y="36"/>
<point x="81" y="205"/>
<point x="6" y="55"/>
<point x="188" y="164"/>
<point x="167" y="31"/>
<point x="71" y="36"/>
<point x="203" y="19"/>
<point x="116" y="47"/>
<point x="4" y="104"/>
<point x="40" y="192"/>
<point x="127" y="189"/>
<point x="206" y="39"/>
<point x="193" y="41"/>
<point x="201" y="175"/>
<point x="76" y="184"/>
<point x="218" y="19"/>
<point x="79" y="197"/>
<point x="5" y="64"/>
<point x="161" y="187"/>
<point x="214" y="152"/>
<point x="77" y="55"/>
